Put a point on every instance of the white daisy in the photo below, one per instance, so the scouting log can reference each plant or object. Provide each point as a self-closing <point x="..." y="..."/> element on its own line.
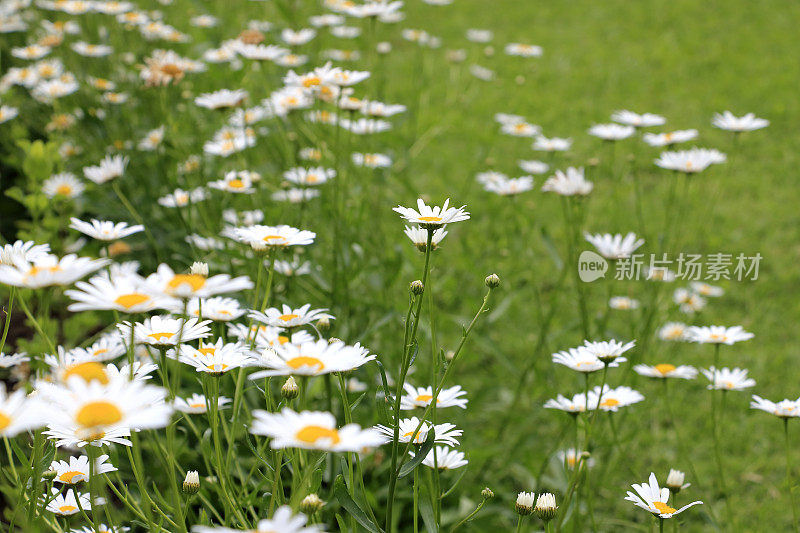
<point x="310" y="358"/>
<point x="614" y="246"/>
<point x="163" y="332"/>
<point x="423" y="396"/>
<point x="611" y="132"/>
<point x="104" y="230"/>
<point x="728" y="121"/>
<point x="717" y="334"/>
<point x="77" y="469"/>
<point x="443" y="458"/>
<point x="312" y="430"/>
<point x="652" y="498"/>
<point x="666" y="370"/>
<point x="287" y="317"/>
<point x="443" y="433"/>
<point x="728" y="379"/>
<point x="196" y="404"/>
<point x="432" y="217"/>
<point x="568" y="183"/>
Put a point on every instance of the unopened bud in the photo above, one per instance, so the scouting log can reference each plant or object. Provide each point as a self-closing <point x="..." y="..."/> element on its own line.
<point x="191" y="485"/>
<point x="417" y="287"/>
<point x="290" y="390"/>
<point x="492" y="281"/>
<point x="524" y="505"/>
<point x="198" y="267"/>
<point x="487" y="493"/>
<point x="50" y="474"/>
<point x="546" y="507"/>
<point x="449" y="355"/>
<point x="323" y="324"/>
<point x="311" y="504"/>
<point x="675" y="480"/>
<point x="333" y="340"/>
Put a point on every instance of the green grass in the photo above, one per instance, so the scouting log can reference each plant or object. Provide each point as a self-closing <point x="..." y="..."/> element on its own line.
<point x="685" y="60"/>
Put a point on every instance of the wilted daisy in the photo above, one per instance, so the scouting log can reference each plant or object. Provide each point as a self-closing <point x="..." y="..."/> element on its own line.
<point x="312" y="430"/>
<point x="163" y="332"/>
<point x="443" y="433"/>
<point x="63" y="185"/>
<point x="614" y="246"/>
<point x="623" y="303"/>
<point x="196" y="404"/>
<point x="728" y="121"/>
<point x="782" y="409"/>
<point x="443" y="458"/>
<point x="423" y="396"/>
<point x="221" y="99"/>
<point x="110" y="167"/>
<point x="48" y="270"/>
<point x="728" y="379"/>
<point x="104" y="230"/>
<point x="644" y="120"/>
<point x="670" y="138"/>
<point x="77" y="469"/>
<point x="65" y="504"/>
<point x="612" y="399"/>
<point x="652" y="498"/>
<point x="19" y="413"/>
<point x="432" y="217"/>
<point x="126" y="294"/>
<point x="568" y="183"/>
<point x="717" y="334"/>
<point x="553" y="144"/>
<point x="611" y="132"/>
<point x="672" y="331"/>
<point x="287" y="317"/>
<point x="195" y="285"/>
<point x="419" y="237"/>
<point x="666" y="370"/>
<point x="261" y="238"/>
<point x="310" y="358"/>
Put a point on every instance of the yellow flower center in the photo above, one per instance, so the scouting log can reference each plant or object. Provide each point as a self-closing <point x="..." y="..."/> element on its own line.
<point x="236" y="184"/>
<point x="282" y="339"/>
<point x="131" y="300"/>
<point x="5" y="421"/>
<point x="67" y="509"/>
<point x="663" y="508"/>
<point x="99" y="413"/>
<point x="197" y="405"/>
<point x="208" y="350"/>
<point x="311" y="81"/>
<point x="68" y="477"/>
<point x="160" y="336"/>
<point x="417" y="439"/>
<point x="425" y="398"/>
<point x="64" y="190"/>
<point x="311" y="434"/>
<point x="287" y="318"/>
<point x="268" y="238"/>
<point x="610" y="402"/>
<point x="88" y="371"/>
<point x="302" y="360"/>
<point x="430" y="219"/>
<point x="194" y="281"/>
<point x="664" y="368"/>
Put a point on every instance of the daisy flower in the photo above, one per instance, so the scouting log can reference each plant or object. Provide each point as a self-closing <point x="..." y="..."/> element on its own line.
<point x="614" y="246"/>
<point x="443" y="458"/>
<point x="666" y="370"/>
<point x="181" y="198"/>
<point x="221" y="99"/>
<point x="19" y="413"/>
<point x="312" y="430"/>
<point x="217" y="360"/>
<point x="523" y="50"/>
<point x="782" y="409"/>
<point x="689" y="301"/>
<point x="520" y="129"/>
<point x="295" y="195"/>
<point x="689" y="161"/>
<point x="704" y="289"/>
<point x="573" y="406"/>
<point x="728" y="379"/>
<point x="511" y="186"/>
<point x="126" y="294"/>
<point x="419" y="237"/>
<point x="63" y="185"/>
<point x="196" y="404"/>
<point x="48" y="270"/>
<point x="77" y="469"/>
<point x="636" y="120"/>
<point x="670" y="138"/>
<point x="443" y="433"/>
<point x="613" y="399"/>
<point x="218" y="309"/>
<point x="110" y="167"/>
<point x="261" y="238"/>
<point x="581" y="360"/>
<point x="13" y="359"/>
<point x="295" y="267"/>
<point x="554" y="144"/>
<point x="104" y="230"/>
<point x="310" y="358"/>
<point x="267" y="337"/>
<point x="195" y="285"/>
<point x="672" y="331"/>
<point x="728" y="121"/>
<point x="623" y="303"/>
<point x="568" y="183"/>
<point x="7" y="113"/>
<point x="163" y="332"/>
<point x="28" y="251"/>
<point x="309" y="176"/>
<point x="152" y="140"/>
<point x="570" y="458"/>
<point x="533" y="166"/>
<point x="297" y="38"/>
<point x="611" y="132"/>
<point x="423" y="396"/>
<point x="652" y="498"/>
<point x="432" y="217"/>
<point x="66" y="504"/>
<point x="717" y="334"/>
<point x="608" y="351"/>
<point x="286" y="317"/>
<point x="283" y="521"/>
<point x="236" y="182"/>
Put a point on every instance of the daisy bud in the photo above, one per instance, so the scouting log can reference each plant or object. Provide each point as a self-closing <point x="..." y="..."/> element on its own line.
<point x="417" y="287"/>
<point x="191" y="485"/>
<point x="546" y="507"/>
<point x="323" y="324"/>
<point x="334" y="339"/>
<point x="198" y="267"/>
<point x="675" y="480"/>
<point x="311" y="504"/>
<point x="492" y="281"/>
<point x="290" y="390"/>
<point x="487" y="493"/>
<point x="524" y="505"/>
<point x="49" y="475"/>
<point x="449" y="355"/>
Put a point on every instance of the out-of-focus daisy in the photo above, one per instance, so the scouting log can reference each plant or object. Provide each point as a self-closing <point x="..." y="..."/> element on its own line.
<point x="533" y="166"/>
<point x="19" y="413"/>
<point x="728" y="379"/>
<point x="568" y="183"/>
<point x="312" y="430"/>
<point x="444" y="458"/>
<point x="419" y="237"/>
<point x="236" y="182"/>
<point x="666" y="370"/>
<point x="672" y="331"/>
<point x="152" y="140"/>
<point x="645" y="120"/>
<point x="7" y="113"/>
<point x="221" y="99"/>
<point x="523" y="50"/>
<point x="195" y="285"/>
<point x="479" y="35"/>
<point x="611" y="132"/>
<point x="63" y="185"/>
<point x="295" y="267"/>
<point x="163" y="332"/>
<point x="287" y="317"/>
<point x="431" y="217"/>
<point x="782" y="409"/>
<point x="10" y="360"/>
<point x="660" y="273"/>
<point x="181" y="198"/>
<point x="218" y="309"/>
<point x="573" y="406"/>
<point x="443" y="433"/>
<point x="553" y="144"/>
<point x="717" y="334"/>
<point x="570" y="458"/>
<point x="510" y="186"/>
<point x="28" y="251"/>
<point x="652" y="498"/>
<point x="311" y="358"/>
<point x="520" y="129"/>
<point x="104" y="230"/>
<point x="295" y="195"/>
<point x="423" y="396"/>
<point x="689" y="301"/>
<point x="261" y="238"/>
<point x="704" y="289"/>
<point x="297" y="37"/>
<point x="110" y="167"/>
<point x="669" y="138"/>
<point x="309" y="176"/>
<point x="372" y="160"/>
<point x="623" y="303"/>
<point x="32" y="51"/>
<point x="689" y="161"/>
<point x="728" y="121"/>
<point x="48" y="270"/>
<point x="196" y="404"/>
<point x="283" y="521"/>
<point x="77" y="469"/>
<point x="614" y="246"/>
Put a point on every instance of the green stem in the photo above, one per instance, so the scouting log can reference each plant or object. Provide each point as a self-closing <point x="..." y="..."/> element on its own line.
<point x="789" y="473"/>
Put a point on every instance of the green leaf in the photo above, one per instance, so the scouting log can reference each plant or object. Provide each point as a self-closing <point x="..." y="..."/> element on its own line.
<point x="340" y="491"/>
<point x="419" y="455"/>
<point x="426" y="510"/>
<point x="552" y="250"/>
